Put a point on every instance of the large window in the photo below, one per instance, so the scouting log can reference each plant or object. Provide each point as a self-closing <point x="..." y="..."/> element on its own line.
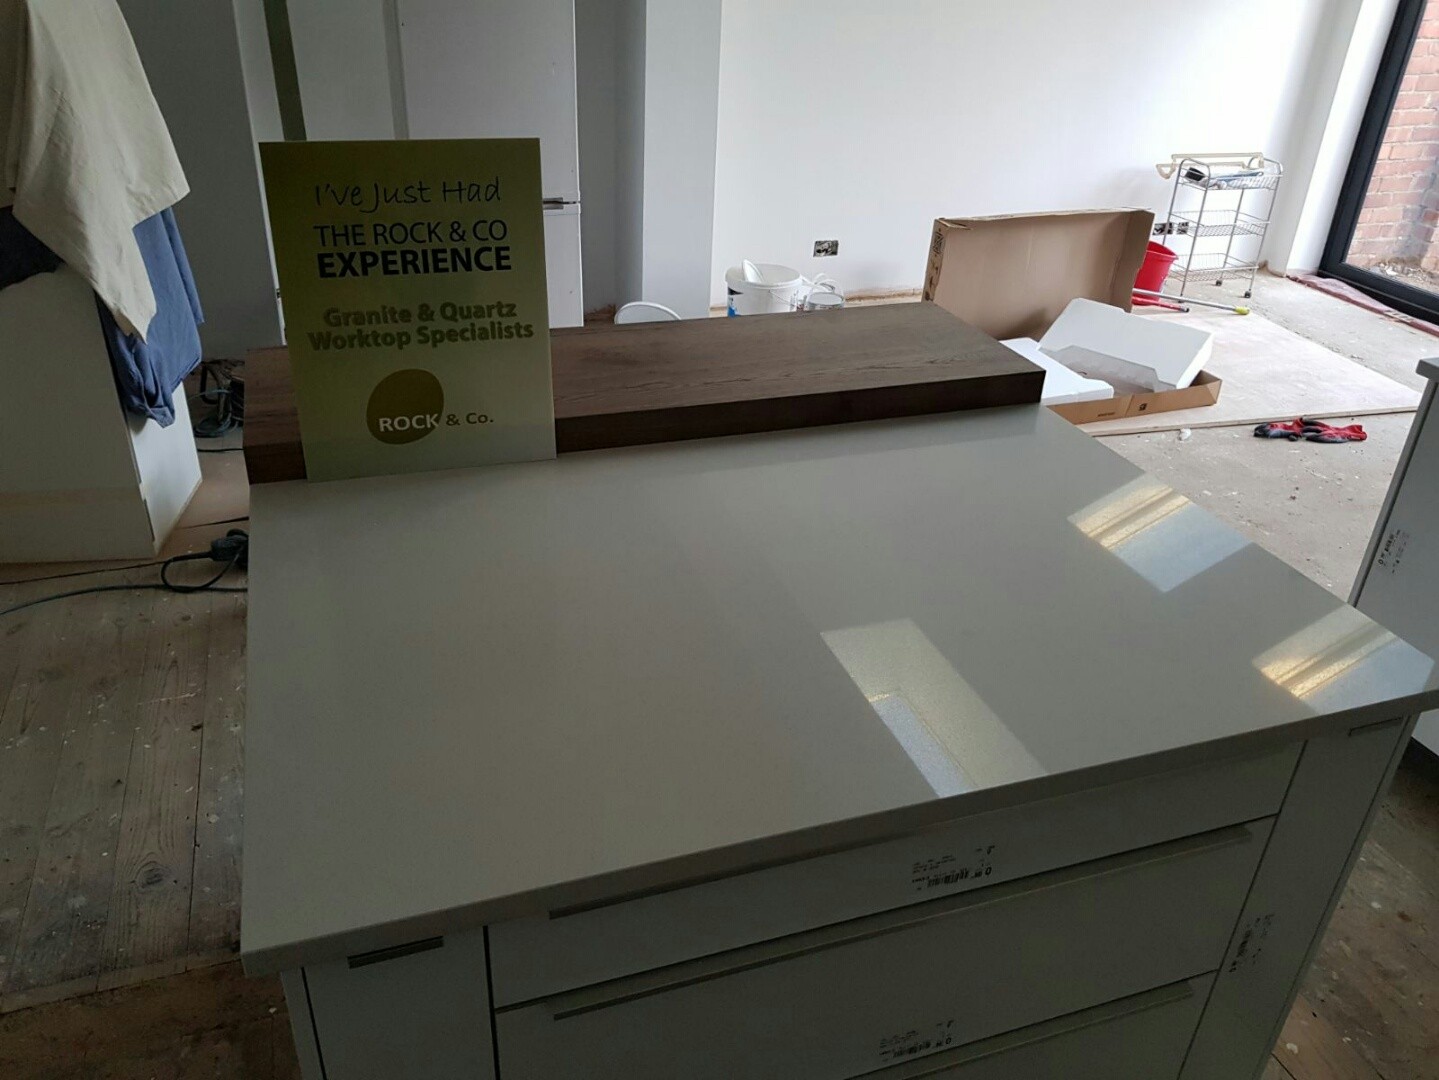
<point x="1385" y="236"/>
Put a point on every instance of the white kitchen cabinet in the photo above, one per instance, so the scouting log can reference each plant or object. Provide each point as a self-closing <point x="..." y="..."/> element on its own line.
<point x="727" y="758"/>
<point x="1398" y="581"/>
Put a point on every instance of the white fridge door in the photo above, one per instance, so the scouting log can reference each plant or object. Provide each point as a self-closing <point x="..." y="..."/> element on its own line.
<point x="484" y="69"/>
<point x="563" y="272"/>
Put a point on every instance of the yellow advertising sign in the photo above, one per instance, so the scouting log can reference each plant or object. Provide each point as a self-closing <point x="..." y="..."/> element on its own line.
<point x="412" y="276"/>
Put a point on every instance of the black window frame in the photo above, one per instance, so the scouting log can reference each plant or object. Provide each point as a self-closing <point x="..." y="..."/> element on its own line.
<point x="1409" y="299"/>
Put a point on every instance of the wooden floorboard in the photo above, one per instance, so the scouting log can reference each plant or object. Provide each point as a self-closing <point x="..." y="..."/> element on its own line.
<point x="68" y="904"/>
<point x="154" y="855"/>
<point x="12" y="643"/>
<point x="1375" y="980"/>
<point x="1311" y="1049"/>
<point x="215" y="894"/>
<point x="32" y="734"/>
<point x="213" y="1024"/>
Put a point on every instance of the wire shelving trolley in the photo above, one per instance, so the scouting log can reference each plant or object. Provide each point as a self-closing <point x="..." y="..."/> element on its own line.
<point x="1219" y="212"/>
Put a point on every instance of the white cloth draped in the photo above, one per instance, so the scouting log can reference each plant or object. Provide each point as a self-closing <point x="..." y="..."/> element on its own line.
<point x="85" y="155"/>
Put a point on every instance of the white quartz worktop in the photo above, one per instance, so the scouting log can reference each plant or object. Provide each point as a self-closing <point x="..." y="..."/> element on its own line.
<point x="486" y="693"/>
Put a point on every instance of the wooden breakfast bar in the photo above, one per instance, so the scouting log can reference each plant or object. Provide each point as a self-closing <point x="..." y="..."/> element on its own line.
<point x="663" y="382"/>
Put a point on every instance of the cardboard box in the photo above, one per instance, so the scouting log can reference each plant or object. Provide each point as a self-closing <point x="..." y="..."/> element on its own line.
<point x="1014" y="275"/>
<point x="1011" y="276"/>
<point x="1204" y="390"/>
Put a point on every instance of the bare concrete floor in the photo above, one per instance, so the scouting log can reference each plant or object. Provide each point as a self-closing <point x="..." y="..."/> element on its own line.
<point x="1311" y="504"/>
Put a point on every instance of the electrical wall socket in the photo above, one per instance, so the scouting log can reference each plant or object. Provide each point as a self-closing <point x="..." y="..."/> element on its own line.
<point x="825" y="247"/>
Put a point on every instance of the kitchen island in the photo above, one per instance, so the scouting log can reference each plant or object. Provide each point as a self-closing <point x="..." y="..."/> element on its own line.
<point x="946" y="746"/>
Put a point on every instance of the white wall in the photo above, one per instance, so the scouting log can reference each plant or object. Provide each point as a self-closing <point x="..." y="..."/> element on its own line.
<point x="863" y="123"/>
<point x="191" y="54"/>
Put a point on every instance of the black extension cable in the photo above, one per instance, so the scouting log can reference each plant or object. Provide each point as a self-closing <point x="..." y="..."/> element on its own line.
<point x="232" y="550"/>
<point x="226" y="400"/>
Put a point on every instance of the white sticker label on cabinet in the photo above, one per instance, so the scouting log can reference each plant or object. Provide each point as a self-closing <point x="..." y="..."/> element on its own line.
<point x="1391" y="552"/>
<point x="916" y="1042"/>
<point x="941" y="871"/>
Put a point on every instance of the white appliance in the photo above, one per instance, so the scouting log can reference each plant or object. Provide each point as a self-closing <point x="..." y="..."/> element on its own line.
<point x="1398" y="582"/>
<point x="494" y="69"/>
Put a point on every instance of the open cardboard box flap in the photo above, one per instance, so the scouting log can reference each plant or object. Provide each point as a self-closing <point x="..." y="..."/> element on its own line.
<point x="1011" y="276"/>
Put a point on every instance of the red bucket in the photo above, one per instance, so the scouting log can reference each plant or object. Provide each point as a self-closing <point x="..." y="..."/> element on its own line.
<point x="1157" y="261"/>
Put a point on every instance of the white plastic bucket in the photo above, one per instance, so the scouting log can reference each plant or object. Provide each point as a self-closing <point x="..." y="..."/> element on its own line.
<point x="783" y="289"/>
<point x="780" y="288"/>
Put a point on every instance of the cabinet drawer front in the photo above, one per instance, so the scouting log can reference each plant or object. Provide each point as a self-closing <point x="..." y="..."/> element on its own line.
<point x="536" y="957"/>
<point x="1143" y="1037"/>
<point x="419" y="1010"/>
<point x="852" y="999"/>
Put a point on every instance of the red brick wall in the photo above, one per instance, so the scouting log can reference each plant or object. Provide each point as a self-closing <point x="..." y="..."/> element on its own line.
<point x="1399" y="222"/>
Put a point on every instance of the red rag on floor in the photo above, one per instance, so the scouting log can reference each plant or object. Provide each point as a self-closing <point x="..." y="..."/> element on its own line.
<point x="1293" y="430"/>
<point x="1319" y="431"/>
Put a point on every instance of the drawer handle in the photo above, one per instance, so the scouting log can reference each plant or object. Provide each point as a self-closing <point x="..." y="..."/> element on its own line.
<point x="394" y="952"/>
<point x="632" y="988"/>
<point x="1047" y="1029"/>
<point x="1364" y="729"/>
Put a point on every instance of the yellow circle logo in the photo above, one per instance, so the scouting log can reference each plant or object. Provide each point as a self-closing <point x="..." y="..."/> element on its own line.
<point x="405" y="406"/>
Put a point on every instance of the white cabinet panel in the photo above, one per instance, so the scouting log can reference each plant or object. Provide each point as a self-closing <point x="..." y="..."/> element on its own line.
<point x="1136" y="1038"/>
<point x="544" y="955"/>
<point x="418" y="1011"/>
<point x="1315" y="840"/>
<point x="875" y="992"/>
<point x="563" y="273"/>
<point x="1399" y="585"/>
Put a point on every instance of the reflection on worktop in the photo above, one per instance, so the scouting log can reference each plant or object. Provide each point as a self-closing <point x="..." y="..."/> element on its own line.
<point x="1341" y="658"/>
<point x="1157" y="532"/>
<point x="957" y="742"/>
